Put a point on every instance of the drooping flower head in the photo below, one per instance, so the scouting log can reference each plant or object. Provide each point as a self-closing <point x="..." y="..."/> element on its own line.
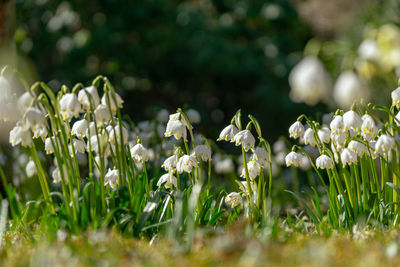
<point x="69" y="106"/>
<point x="296" y="130"/>
<point x="309" y="138"/>
<point x="203" y="152"/>
<point x="324" y="162"/>
<point x="168" y="180"/>
<point x="139" y="153"/>
<point x="111" y="178"/>
<point x="186" y="163"/>
<point x="244" y="138"/>
<point x="87" y="95"/>
<point x="293" y="158"/>
<point x="348" y="157"/>
<point x="228" y="133"/>
<point x="233" y="199"/>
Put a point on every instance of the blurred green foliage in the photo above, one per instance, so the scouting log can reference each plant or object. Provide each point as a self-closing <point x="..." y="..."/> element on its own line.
<point x="215" y="56"/>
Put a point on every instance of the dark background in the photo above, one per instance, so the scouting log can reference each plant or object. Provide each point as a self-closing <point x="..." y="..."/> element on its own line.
<point x="215" y="56"/>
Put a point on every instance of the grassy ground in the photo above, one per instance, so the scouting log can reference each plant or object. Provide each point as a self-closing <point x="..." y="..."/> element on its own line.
<point x="227" y="248"/>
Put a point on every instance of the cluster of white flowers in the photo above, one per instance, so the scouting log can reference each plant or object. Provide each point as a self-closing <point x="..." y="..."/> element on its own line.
<point x="348" y="137"/>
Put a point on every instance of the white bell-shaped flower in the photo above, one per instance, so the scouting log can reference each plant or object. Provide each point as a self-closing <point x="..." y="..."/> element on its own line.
<point x="352" y="121"/>
<point x="139" y="153"/>
<point x="293" y="158"/>
<point x="348" y="157"/>
<point x="324" y="134"/>
<point x="359" y="148"/>
<point x="396" y="97"/>
<point x="246" y="139"/>
<point x="337" y="126"/>
<point x="253" y="168"/>
<point x="348" y="89"/>
<point x="186" y="163"/>
<point x="224" y="166"/>
<point x="305" y="163"/>
<point x="168" y="180"/>
<point x="169" y="164"/>
<point x="324" y="162"/>
<point x="103" y="115"/>
<point x="111" y="178"/>
<point x="228" y="133"/>
<point x="48" y="145"/>
<point x="80" y="128"/>
<point x="114" y="134"/>
<point x="309" y="138"/>
<point x="309" y="82"/>
<point x="261" y="156"/>
<point x="69" y="106"/>
<point x="30" y="169"/>
<point x="203" y="152"/>
<point x="79" y="146"/>
<point x="384" y="144"/>
<point x="233" y="199"/>
<point x="176" y="128"/>
<point x="56" y="175"/>
<point x="368" y="50"/>
<point x="34" y="118"/>
<point x="115" y="101"/>
<point x="87" y="95"/>
<point x="368" y="128"/>
<point x="20" y="135"/>
<point x="24" y="102"/>
<point x="296" y="130"/>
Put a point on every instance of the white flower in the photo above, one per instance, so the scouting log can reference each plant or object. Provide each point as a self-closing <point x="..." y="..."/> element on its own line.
<point x="253" y="168"/>
<point x="296" y="130"/>
<point x="56" y="175"/>
<point x="396" y="97"/>
<point x="178" y="117"/>
<point x="36" y="120"/>
<point x="293" y="158"/>
<point x="114" y="103"/>
<point x="352" y="121"/>
<point x="48" y="145"/>
<point x="348" y="157"/>
<point x="224" y="166"/>
<point x="368" y="50"/>
<point x="280" y="158"/>
<point x="372" y="144"/>
<point x="162" y="116"/>
<point x="91" y="131"/>
<point x="261" y="156"/>
<point x="175" y="128"/>
<point x="305" y="163"/>
<point x="80" y="128"/>
<point x="279" y="146"/>
<point x="397" y="119"/>
<point x="88" y="94"/>
<point x="233" y="199"/>
<point x="203" y="151"/>
<point x="349" y="89"/>
<point x="30" y="168"/>
<point x="139" y="153"/>
<point x="8" y="101"/>
<point x="69" y="106"/>
<point x="186" y="164"/>
<point x="169" y="164"/>
<point x="169" y="181"/>
<point x="193" y="116"/>
<point x="79" y="146"/>
<point x="324" y="134"/>
<point x="228" y="133"/>
<point x="324" y="162"/>
<point x="19" y="135"/>
<point x="114" y="133"/>
<point x="244" y="138"/>
<point x="95" y="146"/>
<point x="111" y="178"/>
<point x="309" y="81"/>
<point x="384" y="144"/>
<point x="24" y="102"/>
<point x="245" y="189"/>
<point x="337" y="126"/>
<point x="338" y="139"/>
<point x="309" y="138"/>
<point x="102" y="114"/>
<point x="359" y="148"/>
<point x="368" y="128"/>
